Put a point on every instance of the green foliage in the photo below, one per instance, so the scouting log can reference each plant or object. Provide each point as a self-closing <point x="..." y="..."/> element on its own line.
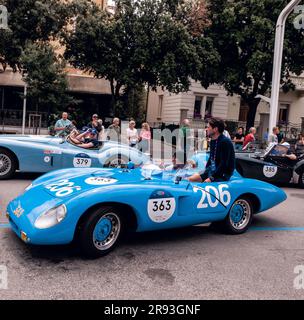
<point x="45" y="77"/>
<point x="243" y="32"/>
<point x="148" y="41"/>
<point x="30" y="21"/>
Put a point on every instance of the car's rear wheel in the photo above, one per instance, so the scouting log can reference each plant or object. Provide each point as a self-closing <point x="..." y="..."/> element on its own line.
<point x="101" y="232"/>
<point x="239" y="217"/>
<point x="116" y="161"/>
<point x="8" y="164"/>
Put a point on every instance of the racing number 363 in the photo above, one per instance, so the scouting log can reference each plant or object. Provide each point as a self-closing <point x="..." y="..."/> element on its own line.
<point x="212" y="196"/>
<point x="161" y="206"/>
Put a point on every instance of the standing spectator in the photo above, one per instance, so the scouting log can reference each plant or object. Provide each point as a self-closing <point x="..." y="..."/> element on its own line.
<point x="113" y="132"/>
<point x="95" y="124"/>
<point x="250" y="138"/>
<point x="299" y="147"/>
<point x="239" y="139"/>
<point x="61" y="124"/>
<point x="132" y="134"/>
<point x="273" y="137"/>
<point x="226" y="133"/>
<point x="185" y="137"/>
<point x="145" y="137"/>
<point x="102" y="131"/>
<point x="280" y="136"/>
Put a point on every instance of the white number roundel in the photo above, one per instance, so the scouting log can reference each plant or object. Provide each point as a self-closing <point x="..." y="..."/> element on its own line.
<point x="270" y="171"/>
<point x="161" y="209"/>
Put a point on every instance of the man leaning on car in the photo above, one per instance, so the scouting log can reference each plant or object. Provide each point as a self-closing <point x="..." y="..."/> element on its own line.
<point x="221" y="163"/>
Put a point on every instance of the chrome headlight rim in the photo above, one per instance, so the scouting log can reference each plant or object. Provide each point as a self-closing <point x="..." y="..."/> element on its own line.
<point x="51" y="217"/>
<point x="30" y="186"/>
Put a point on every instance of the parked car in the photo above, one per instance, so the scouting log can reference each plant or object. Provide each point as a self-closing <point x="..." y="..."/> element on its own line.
<point x="271" y="166"/>
<point x="95" y="206"/>
<point x="45" y="153"/>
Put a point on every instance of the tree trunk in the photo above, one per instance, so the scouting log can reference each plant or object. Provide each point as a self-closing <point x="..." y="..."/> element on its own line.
<point x="113" y="100"/>
<point x="253" y="105"/>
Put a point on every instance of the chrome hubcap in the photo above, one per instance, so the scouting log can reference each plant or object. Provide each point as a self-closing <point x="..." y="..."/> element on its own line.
<point x="240" y="214"/>
<point x="5" y="164"/>
<point x="106" y="231"/>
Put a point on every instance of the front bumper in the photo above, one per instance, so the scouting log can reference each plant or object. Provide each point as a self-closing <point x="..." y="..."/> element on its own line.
<point x="24" y="228"/>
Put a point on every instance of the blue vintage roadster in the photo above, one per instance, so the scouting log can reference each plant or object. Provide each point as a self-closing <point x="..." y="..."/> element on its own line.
<point x="46" y="153"/>
<point x="95" y="206"/>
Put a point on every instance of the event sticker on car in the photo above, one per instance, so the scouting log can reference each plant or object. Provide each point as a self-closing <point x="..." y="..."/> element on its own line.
<point x="99" y="181"/>
<point x="161" y="206"/>
<point x="270" y="171"/>
<point x="82" y="160"/>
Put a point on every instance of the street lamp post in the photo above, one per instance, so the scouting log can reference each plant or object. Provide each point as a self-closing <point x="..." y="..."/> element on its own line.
<point x="277" y="63"/>
<point x="24" y="109"/>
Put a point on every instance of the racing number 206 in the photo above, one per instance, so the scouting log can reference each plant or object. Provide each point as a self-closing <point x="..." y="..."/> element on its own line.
<point x="212" y="196"/>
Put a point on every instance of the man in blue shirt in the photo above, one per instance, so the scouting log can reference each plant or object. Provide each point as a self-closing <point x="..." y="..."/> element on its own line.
<point x="61" y="124"/>
<point x="221" y="163"/>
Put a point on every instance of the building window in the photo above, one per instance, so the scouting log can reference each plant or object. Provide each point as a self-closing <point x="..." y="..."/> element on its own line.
<point x="244" y="109"/>
<point x="160" y="107"/>
<point x="197" y="107"/>
<point x="283" y="113"/>
<point x="209" y="107"/>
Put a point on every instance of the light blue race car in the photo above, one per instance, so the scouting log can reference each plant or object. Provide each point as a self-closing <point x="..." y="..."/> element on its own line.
<point x="94" y="206"/>
<point x="47" y="153"/>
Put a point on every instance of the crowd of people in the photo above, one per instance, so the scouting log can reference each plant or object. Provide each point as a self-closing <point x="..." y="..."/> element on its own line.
<point x="90" y="135"/>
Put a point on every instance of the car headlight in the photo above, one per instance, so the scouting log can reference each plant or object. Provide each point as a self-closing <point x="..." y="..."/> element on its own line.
<point x="51" y="218"/>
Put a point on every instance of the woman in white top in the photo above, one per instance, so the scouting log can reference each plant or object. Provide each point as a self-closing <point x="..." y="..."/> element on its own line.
<point x="132" y="134"/>
<point x="101" y="135"/>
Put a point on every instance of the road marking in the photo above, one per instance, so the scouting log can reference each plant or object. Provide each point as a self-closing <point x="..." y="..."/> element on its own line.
<point x="4" y="226"/>
<point x="276" y="229"/>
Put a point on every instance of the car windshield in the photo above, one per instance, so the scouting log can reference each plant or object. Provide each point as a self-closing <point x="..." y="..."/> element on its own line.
<point x="276" y="150"/>
<point x="150" y="170"/>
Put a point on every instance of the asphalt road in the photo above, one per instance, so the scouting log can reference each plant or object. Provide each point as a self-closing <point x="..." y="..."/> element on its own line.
<point x="189" y="263"/>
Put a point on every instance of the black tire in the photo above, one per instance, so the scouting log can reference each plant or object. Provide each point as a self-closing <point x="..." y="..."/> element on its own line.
<point x="301" y="179"/>
<point x="8" y="164"/>
<point x="238" y="221"/>
<point x="115" y="161"/>
<point x="110" y="231"/>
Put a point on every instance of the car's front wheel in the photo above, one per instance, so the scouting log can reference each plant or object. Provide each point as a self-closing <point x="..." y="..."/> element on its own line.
<point x="101" y="232"/>
<point x="8" y="164"/>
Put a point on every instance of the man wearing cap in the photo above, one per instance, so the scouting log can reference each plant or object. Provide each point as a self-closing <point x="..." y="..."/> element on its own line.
<point x="95" y="124"/>
<point x="88" y="139"/>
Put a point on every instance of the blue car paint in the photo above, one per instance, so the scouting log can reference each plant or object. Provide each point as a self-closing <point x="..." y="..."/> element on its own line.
<point x="47" y="153"/>
<point x="188" y="204"/>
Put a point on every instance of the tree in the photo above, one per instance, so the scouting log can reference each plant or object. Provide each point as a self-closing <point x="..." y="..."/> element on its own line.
<point x="30" y="21"/>
<point x="144" y="42"/>
<point x="243" y="33"/>
<point x="45" y="77"/>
